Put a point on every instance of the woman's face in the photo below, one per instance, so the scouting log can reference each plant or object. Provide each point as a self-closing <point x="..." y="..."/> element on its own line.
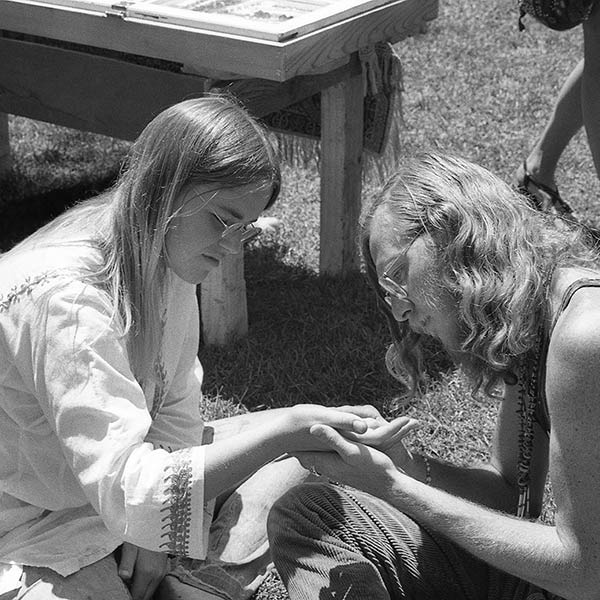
<point x="412" y="266"/>
<point x="195" y="244"/>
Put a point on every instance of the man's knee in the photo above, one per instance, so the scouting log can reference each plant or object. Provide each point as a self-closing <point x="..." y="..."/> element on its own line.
<point x="295" y="507"/>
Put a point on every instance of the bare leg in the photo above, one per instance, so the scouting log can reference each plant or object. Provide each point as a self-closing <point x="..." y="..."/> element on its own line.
<point x="577" y="105"/>
<point x="590" y="89"/>
<point x="565" y="121"/>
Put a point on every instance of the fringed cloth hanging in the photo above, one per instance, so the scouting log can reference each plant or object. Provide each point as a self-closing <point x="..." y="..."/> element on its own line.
<point x="300" y="123"/>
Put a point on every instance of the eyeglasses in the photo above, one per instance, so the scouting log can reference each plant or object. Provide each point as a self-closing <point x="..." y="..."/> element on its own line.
<point x="248" y="231"/>
<point x="389" y="285"/>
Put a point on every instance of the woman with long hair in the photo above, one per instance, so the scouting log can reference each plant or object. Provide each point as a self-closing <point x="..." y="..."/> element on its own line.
<point x="106" y="467"/>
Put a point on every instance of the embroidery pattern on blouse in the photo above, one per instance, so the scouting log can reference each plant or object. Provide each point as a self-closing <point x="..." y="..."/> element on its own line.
<point x="178" y="510"/>
<point x="17" y="291"/>
<point x="160" y="388"/>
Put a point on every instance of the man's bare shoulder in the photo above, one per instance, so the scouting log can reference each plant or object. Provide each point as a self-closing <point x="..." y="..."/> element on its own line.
<point x="576" y="334"/>
<point x="573" y="362"/>
<point x="572" y="390"/>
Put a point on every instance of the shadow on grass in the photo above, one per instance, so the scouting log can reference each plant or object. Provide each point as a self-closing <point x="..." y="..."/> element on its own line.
<point x="22" y="213"/>
<point x="312" y="339"/>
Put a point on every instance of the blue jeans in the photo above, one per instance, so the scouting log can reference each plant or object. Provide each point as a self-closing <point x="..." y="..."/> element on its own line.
<point x="333" y="542"/>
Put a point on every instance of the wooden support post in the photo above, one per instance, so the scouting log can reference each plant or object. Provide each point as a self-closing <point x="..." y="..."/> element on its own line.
<point x="4" y="146"/>
<point x="341" y="165"/>
<point x="222" y="297"/>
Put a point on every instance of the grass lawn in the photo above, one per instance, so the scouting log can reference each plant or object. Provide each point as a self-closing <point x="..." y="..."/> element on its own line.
<point x="474" y="86"/>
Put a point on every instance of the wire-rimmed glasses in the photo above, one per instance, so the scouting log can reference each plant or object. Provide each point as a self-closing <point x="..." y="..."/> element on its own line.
<point x="390" y="286"/>
<point x="248" y="231"/>
<point x="393" y="289"/>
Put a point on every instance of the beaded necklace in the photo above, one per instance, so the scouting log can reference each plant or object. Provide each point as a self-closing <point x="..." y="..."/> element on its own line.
<point x="529" y="397"/>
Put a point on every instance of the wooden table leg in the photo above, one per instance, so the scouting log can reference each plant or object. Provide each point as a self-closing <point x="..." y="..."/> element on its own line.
<point x="341" y="164"/>
<point x="222" y="297"/>
<point x="222" y="294"/>
<point x="5" y="160"/>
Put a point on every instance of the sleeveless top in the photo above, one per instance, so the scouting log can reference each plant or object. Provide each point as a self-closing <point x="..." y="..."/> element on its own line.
<point x="542" y="415"/>
<point x="533" y="404"/>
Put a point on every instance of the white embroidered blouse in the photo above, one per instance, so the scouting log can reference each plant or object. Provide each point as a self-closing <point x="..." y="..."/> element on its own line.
<point x="87" y="460"/>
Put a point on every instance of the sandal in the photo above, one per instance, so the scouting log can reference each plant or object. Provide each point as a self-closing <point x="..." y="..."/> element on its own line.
<point x="525" y="185"/>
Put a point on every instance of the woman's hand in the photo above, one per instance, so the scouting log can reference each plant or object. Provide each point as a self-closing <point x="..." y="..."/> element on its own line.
<point x="350" y="462"/>
<point x="299" y="419"/>
<point x="361" y="465"/>
<point x="142" y="570"/>
<point x="362" y="424"/>
<point x="384" y="435"/>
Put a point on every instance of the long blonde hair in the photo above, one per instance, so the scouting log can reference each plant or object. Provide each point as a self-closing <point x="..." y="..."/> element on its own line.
<point x="495" y="254"/>
<point x="204" y="140"/>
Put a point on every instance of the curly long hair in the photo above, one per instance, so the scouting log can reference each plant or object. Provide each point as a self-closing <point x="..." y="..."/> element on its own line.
<point x="495" y="255"/>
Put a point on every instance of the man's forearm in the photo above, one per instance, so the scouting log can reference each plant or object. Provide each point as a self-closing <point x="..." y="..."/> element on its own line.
<point x="530" y="551"/>
<point x="481" y="484"/>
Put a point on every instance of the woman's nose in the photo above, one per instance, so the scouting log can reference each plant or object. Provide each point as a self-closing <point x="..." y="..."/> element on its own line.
<point x="232" y="243"/>
<point x="401" y="308"/>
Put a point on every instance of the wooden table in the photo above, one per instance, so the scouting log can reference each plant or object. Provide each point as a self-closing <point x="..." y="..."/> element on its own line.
<point x="84" y="64"/>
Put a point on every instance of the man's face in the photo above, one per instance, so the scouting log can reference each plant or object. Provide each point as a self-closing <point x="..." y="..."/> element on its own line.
<point x="412" y="264"/>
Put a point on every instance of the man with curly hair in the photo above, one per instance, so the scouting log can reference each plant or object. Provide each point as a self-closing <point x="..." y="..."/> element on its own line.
<point x="455" y="254"/>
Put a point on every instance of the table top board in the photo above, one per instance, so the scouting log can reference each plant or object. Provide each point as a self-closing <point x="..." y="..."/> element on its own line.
<point x="273" y="20"/>
<point x="318" y="40"/>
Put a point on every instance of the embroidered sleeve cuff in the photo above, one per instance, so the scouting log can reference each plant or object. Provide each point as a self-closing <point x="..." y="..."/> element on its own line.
<point x="183" y="512"/>
<point x="168" y="514"/>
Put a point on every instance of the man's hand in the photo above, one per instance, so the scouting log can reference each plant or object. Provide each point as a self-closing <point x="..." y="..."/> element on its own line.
<point x="355" y="464"/>
<point x="383" y="435"/>
<point x="142" y="570"/>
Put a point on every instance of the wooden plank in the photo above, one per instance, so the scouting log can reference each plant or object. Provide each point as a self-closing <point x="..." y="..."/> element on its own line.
<point x="85" y="5"/>
<point x="263" y="97"/>
<point x="275" y="20"/>
<point x="118" y="99"/>
<point x="204" y="53"/>
<point x="94" y="6"/>
<point x="222" y="297"/>
<point x="264" y="19"/>
<point x="216" y="54"/>
<point x="341" y="164"/>
<point x="330" y="15"/>
<point x="5" y="159"/>
<point x="391" y="23"/>
<point x="228" y="25"/>
<point x="87" y="92"/>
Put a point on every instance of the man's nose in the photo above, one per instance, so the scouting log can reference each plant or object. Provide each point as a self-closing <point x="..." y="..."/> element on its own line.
<point x="401" y="308"/>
